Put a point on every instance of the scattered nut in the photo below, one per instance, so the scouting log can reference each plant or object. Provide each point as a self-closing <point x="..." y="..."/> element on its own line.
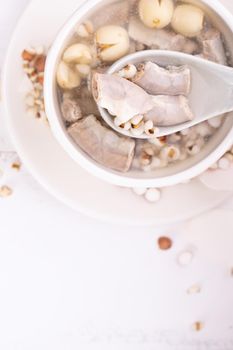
<point x="229" y="156"/>
<point x="33" y="77"/>
<point x="164" y="243"/>
<point x="85" y="29"/>
<point x="215" y="122"/>
<point x="29" y="70"/>
<point x="5" y="191"/>
<point x="195" y="289"/>
<point x="145" y="158"/>
<point x="185" y="258"/>
<point x="188" y="20"/>
<point x="16" y="166"/>
<point x="127" y="126"/>
<point x="35" y="72"/>
<point x="83" y="69"/>
<point x="193" y="150"/>
<point x="32" y="112"/>
<point x="117" y="121"/>
<point x="78" y="53"/>
<point x="156" y="163"/>
<point x="198" y="326"/>
<point x="30" y="100"/>
<point x="28" y="56"/>
<point x="40" y="79"/>
<point x="153" y="195"/>
<point x="150" y="130"/>
<point x="67" y="77"/>
<point x="136" y="121"/>
<point x="128" y="72"/>
<point x="156" y="13"/>
<point x="112" y="42"/>
<point x="39" y="63"/>
<point x="137" y="130"/>
<point x="158" y="141"/>
<point x="170" y="153"/>
<point x="148" y="149"/>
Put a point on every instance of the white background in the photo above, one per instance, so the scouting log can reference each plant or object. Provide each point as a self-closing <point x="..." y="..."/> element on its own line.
<point x="60" y="271"/>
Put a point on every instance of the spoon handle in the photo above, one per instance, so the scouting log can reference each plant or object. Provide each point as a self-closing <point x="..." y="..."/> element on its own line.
<point x="225" y="88"/>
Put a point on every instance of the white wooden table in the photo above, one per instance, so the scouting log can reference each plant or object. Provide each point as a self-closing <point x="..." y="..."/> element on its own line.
<point x="44" y="246"/>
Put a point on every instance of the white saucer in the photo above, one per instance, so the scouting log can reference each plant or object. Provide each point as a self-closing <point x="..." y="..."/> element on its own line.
<point x="53" y="168"/>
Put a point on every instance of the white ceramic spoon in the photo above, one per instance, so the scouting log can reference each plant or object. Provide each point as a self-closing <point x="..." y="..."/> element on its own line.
<point x="211" y="88"/>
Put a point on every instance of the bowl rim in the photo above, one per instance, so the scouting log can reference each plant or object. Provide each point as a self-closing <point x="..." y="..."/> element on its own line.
<point x="86" y="161"/>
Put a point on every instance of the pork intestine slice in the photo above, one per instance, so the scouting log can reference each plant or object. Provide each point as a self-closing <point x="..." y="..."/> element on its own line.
<point x="120" y="97"/>
<point x="169" y="110"/>
<point x="212" y="46"/>
<point x="102" y="144"/>
<point x="161" y="39"/>
<point x="160" y="81"/>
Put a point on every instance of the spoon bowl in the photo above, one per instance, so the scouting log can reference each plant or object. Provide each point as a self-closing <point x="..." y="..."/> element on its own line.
<point x="211" y="87"/>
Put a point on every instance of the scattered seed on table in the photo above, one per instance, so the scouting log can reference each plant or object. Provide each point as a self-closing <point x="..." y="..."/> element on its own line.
<point x="185" y="258"/>
<point x="34" y="64"/>
<point x="28" y="55"/>
<point x="164" y="243"/>
<point x="16" y="166"/>
<point x="198" y="326"/>
<point x="5" y="191"/>
<point x="153" y="195"/>
<point x="194" y="289"/>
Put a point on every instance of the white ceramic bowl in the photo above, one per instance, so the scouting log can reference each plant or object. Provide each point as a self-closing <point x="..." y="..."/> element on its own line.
<point x="171" y="175"/>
